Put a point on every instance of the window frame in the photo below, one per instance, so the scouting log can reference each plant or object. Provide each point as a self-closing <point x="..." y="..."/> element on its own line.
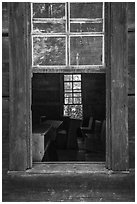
<point x="69" y="67"/>
<point x="72" y="92"/>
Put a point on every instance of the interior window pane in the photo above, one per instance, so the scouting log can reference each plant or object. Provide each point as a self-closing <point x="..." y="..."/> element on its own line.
<point x="74" y="111"/>
<point x="68" y="100"/>
<point x="53" y="27"/>
<point x="68" y="94"/>
<point x="48" y="10"/>
<point x="68" y="85"/>
<point x="77" y="95"/>
<point x="77" y="77"/>
<point x="86" y="27"/>
<point x="77" y="100"/>
<point x="67" y="77"/>
<point x="49" y="51"/>
<point x="86" y="50"/>
<point x="77" y="85"/>
<point x="86" y="10"/>
<point x="77" y="90"/>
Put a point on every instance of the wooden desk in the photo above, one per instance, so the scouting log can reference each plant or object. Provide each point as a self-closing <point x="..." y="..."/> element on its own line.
<point x="40" y="138"/>
<point x="54" y="123"/>
<point x="43" y="136"/>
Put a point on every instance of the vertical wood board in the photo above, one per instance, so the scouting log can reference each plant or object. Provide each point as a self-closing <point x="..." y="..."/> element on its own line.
<point x="119" y="99"/>
<point x="18" y="87"/>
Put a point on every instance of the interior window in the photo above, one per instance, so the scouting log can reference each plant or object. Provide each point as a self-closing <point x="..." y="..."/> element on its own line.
<point x="72" y="96"/>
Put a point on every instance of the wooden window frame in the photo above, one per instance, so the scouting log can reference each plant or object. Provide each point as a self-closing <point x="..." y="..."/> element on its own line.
<point x="72" y="81"/>
<point x="67" y="34"/>
<point x="20" y="135"/>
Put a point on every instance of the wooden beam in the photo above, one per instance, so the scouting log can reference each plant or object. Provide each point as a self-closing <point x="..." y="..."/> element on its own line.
<point x="19" y="87"/>
<point x="119" y="87"/>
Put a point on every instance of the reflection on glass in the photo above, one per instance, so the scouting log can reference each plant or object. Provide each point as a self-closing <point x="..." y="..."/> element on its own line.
<point x="77" y="85"/>
<point x="86" y="27"/>
<point x="48" y="10"/>
<point x="49" y="51"/>
<point x="68" y="85"/>
<point x="86" y="10"/>
<point x="74" y="111"/>
<point x="76" y="94"/>
<point x="76" y="77"/>
<point x="86" y="50"/>
<point x="68" y="94"/>
<point x="67" y="77"/>
<point x="53" y="27"/>
<point x="76" y="90"/>
<point x="77" y="100"/>
<point x="68" y="100"/>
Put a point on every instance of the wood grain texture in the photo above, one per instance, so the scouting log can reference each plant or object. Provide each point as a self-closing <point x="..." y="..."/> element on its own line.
<point x="131" y="16"/>
<point x="108" y="84"/>
<point x="131" y="48"/>
<point x="5" y="20"/>
<point x="5" y="118"/>
<point x="119" y="103"/>
<point x="131" y="117"/>
<point x="5" y="84"/>
<point x="5" y="49"/>
<point x="19" y="85"/>
<point x="131" y="79"/>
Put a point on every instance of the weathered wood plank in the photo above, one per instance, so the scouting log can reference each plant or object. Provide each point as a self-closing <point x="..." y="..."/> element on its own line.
<point x="5" y="67"/>
<point x="131" y="117"/>
<point x="131" y="15"/>
<point x="19" y="87"/>
<point x="5" y="117"/>
<point x="131" y="48"/>
<point x="5" y="20"/>
<point x="108" y="84"/>
<point x="131" y="79"/>
<point x="5" y="49"/>
<point x="5" y="84"/>
<point x="119" y="103"/>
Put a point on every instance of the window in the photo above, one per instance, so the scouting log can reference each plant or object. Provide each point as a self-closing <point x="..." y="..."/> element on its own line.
<point x="72" y="96"/>
<point x="67" y="35"/>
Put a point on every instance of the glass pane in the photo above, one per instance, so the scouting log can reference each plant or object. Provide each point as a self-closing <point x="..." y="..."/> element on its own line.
<point x="77" y="85"/>
<point x="39" y="28"/>
<point x="77" y="100"/>
<point x="86" y="50"/>
<point x="68" y="90"/>
<point x="86" y="27"/>
<point x="67" y="77"/>
<point x="74" y="111"/>
<point x="68" y="94"/>
<point x="68" y="100"/>
<point x="48" y="10"/>
<point x="76" y="90"/>
<point x="49" y="51"/>
<point x="77" y="77"/>
<point x="86" y="10"/>
<point x="77" y="95"/>
<point x="68" y="85"/>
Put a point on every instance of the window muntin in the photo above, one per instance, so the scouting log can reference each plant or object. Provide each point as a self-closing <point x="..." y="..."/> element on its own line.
<point x="72" y="96"/>
<point x="80" y="30"/>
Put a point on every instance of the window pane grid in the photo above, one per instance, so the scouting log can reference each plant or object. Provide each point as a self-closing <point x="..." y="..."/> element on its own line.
<point x="58" y="21"/>
<point x="72" y="96"/>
